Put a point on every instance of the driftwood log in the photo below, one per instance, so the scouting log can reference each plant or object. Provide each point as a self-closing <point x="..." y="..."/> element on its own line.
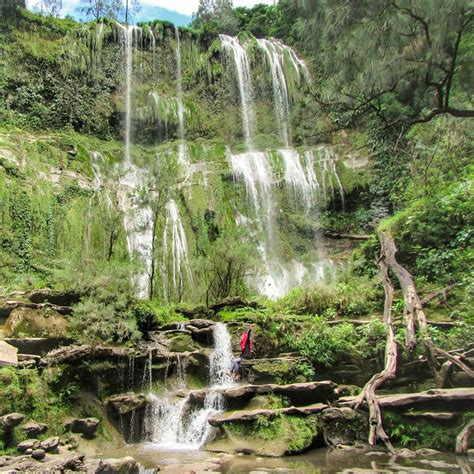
<point x="413" y="314"/>
<point x="413" y="311"/>
<point x="376" y="430"/>
<point x="462" y="441"/>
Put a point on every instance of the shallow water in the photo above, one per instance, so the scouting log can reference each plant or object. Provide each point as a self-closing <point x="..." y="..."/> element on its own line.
<point x="316" y="461"/>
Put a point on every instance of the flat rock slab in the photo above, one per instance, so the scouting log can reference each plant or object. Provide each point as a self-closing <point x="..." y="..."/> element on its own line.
<point x="461" y="397"/>
<point x="436" y="416"/>
<point x="248" y="415"/>
<point x="299" y="393"/>
<point x="76" y="354"/>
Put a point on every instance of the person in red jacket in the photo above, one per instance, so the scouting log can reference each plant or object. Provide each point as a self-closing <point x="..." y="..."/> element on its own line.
<point x="246" y="344"/>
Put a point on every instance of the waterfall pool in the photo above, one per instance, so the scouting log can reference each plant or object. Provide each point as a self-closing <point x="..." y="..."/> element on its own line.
<point x="324" y="460"/>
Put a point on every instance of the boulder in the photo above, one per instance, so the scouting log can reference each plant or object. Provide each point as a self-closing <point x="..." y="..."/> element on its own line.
<point x="8" y="354"/>
<point x="277" y="436"/>
<point x="343" y="426"/>
<point x="36" y="323"/>
<point x="11" y="420"/>
<point x="181" y="343"/>
<point x="85" y="426"/>
<point x="50" y="445"/>
<point x="126" y="465"/>
<point x="283" y="369"/>
<point x="28" y="444"/>
<point x="200" y="323"/>
<point x="33" y="429"/>
<point x="38" y="454"/>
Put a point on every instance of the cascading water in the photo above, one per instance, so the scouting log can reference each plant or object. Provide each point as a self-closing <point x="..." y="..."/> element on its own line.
<point x="175" y="249"/>
<point x="182" y="159"/>
<point x="138" y="219"/>
<point x="313" y="182"/>
<point x="172" y="423"/>
<point x="274" y="53"/>
<point x="295" y="177"/>
<point x="128" y="33"/>
<point x="244" y="79"/>
<point x="220" y="361"/>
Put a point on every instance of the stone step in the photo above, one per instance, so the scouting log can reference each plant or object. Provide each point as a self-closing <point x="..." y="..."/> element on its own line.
<point x="248" y="415"/>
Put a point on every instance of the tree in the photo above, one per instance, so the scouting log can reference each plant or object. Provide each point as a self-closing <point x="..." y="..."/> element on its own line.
<point x="101" y="8"/>
<point x="49" y="7"/>
<point x="217" y="14"/>
<point x="403" y="60"/>
<point x="115" y="9"/>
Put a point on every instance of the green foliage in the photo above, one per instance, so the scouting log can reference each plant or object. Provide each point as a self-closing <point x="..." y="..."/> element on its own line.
<point x="107" y="314"/>
<point x="21" y="216"/>
<point x="418" y="433"/>
<point x="323" y="344"/>
<point x="348" y="298"/>
<point x="37" y="396"/>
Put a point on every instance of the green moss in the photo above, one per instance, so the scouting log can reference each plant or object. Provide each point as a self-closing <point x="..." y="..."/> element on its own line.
<point x="284" y="371"/>
<point x="181" y="343"/>
<point x="291" y="433"/>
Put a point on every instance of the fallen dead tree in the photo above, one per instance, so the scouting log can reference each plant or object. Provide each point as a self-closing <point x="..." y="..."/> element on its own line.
<point x="413" y="316"/>
<point x="376" y="430"/>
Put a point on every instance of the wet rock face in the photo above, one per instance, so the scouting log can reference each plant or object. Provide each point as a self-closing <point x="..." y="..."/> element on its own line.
<point x="127" y="412"/>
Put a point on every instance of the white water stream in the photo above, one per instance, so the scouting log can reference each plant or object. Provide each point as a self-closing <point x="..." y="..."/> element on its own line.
<point x="182" y="158"/>
<point x="275" y="57"/>
<point x="176" y="268"/>
<point x="172" y="423"/>
<point x="237" y="53"/>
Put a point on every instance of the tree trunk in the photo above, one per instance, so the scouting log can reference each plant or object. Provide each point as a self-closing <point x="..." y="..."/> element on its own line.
<point x="462" y="441"/>
<point x="368" y="393"/>
<point x="414" y="310"/>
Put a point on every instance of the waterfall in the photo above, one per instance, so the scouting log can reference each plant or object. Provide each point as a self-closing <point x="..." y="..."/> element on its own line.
<point x="295" y="176"/>
<point x="255" y="170"/>
<point x="244" y="78"/>
<point x="313" y="182"/>
<point x="275" y="55"/>
<point x="172" y="423"/>
<point x="138" y="223"/>
<point x="179" y="98"/>
<point x="175" y="247"/>
<point x="220" y="361"/>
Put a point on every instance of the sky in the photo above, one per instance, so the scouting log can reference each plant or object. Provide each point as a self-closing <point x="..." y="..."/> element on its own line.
<point x="188" y="7"/>
<point x="177" y="11"/>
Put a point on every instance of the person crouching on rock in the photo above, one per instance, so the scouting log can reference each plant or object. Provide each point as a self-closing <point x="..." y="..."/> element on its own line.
<point x="235" y="368"/>
<point x="246" y="344"/>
